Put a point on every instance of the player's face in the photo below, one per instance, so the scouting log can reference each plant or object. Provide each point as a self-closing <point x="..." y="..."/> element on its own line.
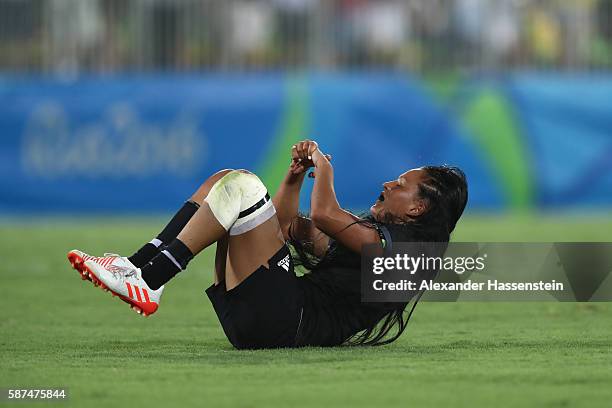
<point x="400" y="198"/>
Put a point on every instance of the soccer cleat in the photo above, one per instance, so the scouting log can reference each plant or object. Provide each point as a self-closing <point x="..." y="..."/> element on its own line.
<point x="123" y="279"/>
<point x="77" y="260"/>
<point x="117" y="275"/>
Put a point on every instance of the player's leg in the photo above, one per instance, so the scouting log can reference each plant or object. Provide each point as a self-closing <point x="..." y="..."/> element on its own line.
<point x="142" y="300"/>
<point x="221" y="263"/>
<point x="250" y="250"/>
<point x="144" y="254"/>
<point x="177" y="223"/>
<point x="239" y="254"/>
<point x="256" y="293"/>
<point x="237" y="203"/>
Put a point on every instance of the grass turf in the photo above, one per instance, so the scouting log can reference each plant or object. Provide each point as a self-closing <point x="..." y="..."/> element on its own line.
<point x="58" y="331"/>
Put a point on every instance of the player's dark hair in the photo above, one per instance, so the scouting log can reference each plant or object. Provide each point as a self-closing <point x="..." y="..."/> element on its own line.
<point x="444" y="190"/>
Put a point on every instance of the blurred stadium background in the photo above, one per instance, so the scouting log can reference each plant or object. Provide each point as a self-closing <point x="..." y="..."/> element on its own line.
<point x="141" y="99"/>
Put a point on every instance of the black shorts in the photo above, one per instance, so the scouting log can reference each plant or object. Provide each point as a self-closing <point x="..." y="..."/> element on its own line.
<point x="264" y="310"/>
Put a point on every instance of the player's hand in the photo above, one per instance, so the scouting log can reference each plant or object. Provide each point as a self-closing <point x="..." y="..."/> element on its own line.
<point x="301" y="156"/>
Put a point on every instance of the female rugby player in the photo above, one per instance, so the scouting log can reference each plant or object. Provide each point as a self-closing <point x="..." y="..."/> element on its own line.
<point x="258" y="299"/>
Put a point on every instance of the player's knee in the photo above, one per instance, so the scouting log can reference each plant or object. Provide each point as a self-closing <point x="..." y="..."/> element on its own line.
<point x="240" y="201"/>
<point x="220" y="174"/>
<point x="209" y="182"/>
<point x="204" y="188"/>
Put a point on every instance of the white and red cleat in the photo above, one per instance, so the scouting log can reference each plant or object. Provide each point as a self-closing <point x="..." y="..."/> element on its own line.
<point x="77" y="260"/>
<point x="119" y="276"/>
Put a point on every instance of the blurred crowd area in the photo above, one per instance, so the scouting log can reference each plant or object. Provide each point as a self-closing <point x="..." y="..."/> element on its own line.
<point x="72" y="36"/>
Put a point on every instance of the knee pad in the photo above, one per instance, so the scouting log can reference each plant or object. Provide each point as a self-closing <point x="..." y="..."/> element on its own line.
<point x="240" y="202"/>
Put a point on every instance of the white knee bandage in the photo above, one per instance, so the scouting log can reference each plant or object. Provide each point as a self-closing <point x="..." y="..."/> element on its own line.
<point x="240" y="202"/>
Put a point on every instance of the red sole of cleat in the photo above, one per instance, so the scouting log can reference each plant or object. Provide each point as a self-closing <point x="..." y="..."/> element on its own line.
<point x="78" y="265"/>
<point x="86" y="274"/>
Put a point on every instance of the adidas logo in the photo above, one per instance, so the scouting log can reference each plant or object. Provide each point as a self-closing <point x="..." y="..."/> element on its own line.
<point x="284" y="263"/>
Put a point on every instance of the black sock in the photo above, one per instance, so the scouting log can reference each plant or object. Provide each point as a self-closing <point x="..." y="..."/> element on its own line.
<point x="176" y="224"/>
<point x="165" y="265"/>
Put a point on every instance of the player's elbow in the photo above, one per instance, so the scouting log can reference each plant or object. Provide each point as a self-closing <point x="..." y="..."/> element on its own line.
<point x="321" y="217"/>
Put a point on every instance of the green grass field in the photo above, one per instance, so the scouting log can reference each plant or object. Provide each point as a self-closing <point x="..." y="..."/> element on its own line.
<point x="59" y="331"/>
